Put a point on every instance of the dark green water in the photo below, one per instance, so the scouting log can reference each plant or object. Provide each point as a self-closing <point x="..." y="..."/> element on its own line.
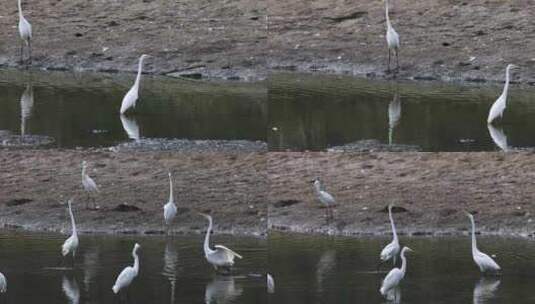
<point x="441" y="270"/>
<point x="319" y="112"/>
<point x="83" y="110"/>
<point x="171" y="271"/>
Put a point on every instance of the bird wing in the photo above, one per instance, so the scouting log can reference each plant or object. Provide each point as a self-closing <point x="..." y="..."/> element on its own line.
<point x="169" y="211"/>
<point x="327" y="198"/>
<point x="389" y="251"/>
<point x="125" y="278"/>
<point x="91" y="183"/>
<point x="486" y="263"/>
<point x="67" y="245"/>
<point x="3" y="283"/>
<point x="227" y="250"/>
<point x="391" y="280"/>
<point x="497" y="108"/>
<point x="129" y="99"/>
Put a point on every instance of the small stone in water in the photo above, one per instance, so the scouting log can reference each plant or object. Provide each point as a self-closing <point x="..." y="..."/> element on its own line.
<point x="95" y="131"/>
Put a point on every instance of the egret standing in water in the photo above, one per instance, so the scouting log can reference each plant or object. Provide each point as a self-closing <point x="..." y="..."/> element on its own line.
<point x="3" y="283"/>
<point x="71" y="244"/>
<point x="25" y="31"/>
<point x="221" y="256"/>
<point x="130" y="98"/>
<point x="394" y="277"/>
<point x="169" y="209"/>
<point x="485" y="263"/>
<point x="324" y="197"/>
<point x="391" y="250"/>
<point x="128" y="274"/>
<point x="89" y="184"/>
<point x="392" y="39"/>
<point x="270" y="283"/>
<point x="499" y="105"/>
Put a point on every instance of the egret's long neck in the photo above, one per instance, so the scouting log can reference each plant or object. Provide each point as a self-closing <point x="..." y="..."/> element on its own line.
<point x="317" y="187"/>
<point x="474" y="244"/>
<point x="207" y="237"/>
<point x="171" y="197"/>
<point x="72" y="221"/>
<point x="403" y="263"/>
<point x="139" y="69"/>
<point x="506" y="87"/>
<point x="388" y="25"/>
<point x="136" y="261"/>
<point x="83" y="171"/>
<point x="20" y="10"/>
<point x="394" y="233"/>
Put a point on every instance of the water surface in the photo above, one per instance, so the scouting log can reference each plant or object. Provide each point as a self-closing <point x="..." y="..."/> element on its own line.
<point x="318" y="112"/>
<point x="172" y="270"/>
<point x="311" y="269"/>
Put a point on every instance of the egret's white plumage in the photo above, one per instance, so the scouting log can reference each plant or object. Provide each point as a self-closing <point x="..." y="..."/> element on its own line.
<point x="3" y="283"/>
<point x="26" y="105"/>
<point x="391" y="250"/>
<point x="71" y="290"/>
<point x="131" y="127"/>
<point x="270" y="283"/>
<point x="499" y="105"/>
<point x="88" y="183"/>
<point x="392" y="38"/>
<point x="129" y="100"/>
<point x="498" y="137"/>
<point x="128" y="274"/>
<point x="394" y="114"/>
<point x="25" y="31"/>
<point x="221" y="256"/>
<point x="394" y="277"/>
<point x="485" y="263"/>
<point x="71" y="244"/>
<point x="169" y="209"/>
<point x="323" y="196"/>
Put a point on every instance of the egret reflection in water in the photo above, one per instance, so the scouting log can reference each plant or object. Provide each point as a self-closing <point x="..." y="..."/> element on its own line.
<point x="394" y="114"/>
<point x="170" y="262"/>
<point x="91" y="263"/>
<point x="130" y="126"/>
<point x="26" y="105"/>
<point x="71" y="290"/>
<point x="393" y="296"/>
<point x="485" y="290"/>
<point x="222" y="289"/>
<point x="499" y="138"/>
<point x="325" y="265"/>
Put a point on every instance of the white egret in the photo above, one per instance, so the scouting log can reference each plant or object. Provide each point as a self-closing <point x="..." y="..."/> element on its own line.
<point x="394" y="114"/>
<point x="169" y="209"/>
<point x="131" y="127"/>
<point x="323" y="196"/>
<point x="392" y="38"/>
<point x="222" y="290"/>
<point x="26" y="105"/>
<point x="71" y="290"/>
<point x="129" y="100"/>
<point x="394" y="277"/>
<point x="498" y="137"/>
<point x="485" y="263"/>
<point x="128" y="274"/>
<point x="270" y="283"/>
<point x="391" y="250"/>
<point x="3" y="283"/>
<point x="25" y="31"/>
<point x="499" y="105"/>
<point x="221" y="256"/>
<point x="89" y="184"/>
<point x="71" y="244"/>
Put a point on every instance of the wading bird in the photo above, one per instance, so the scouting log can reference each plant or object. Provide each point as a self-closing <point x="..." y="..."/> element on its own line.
<point x="3" y="283"/>
<point x="25" y="31"/>
<point x="394" y="277"/>
<point x="89" y="185"/>
<point x="324" y="197"/>
<point x="392" y="39"/>
<point x="499" y="105"/>
<point x="130" y="98"/>
<point x="169" y="209"/>
<point x="71" y="244"/>
<point x="391" y="250"/>
<point x="485" y="263"/>
<point x="221" y="256"/>
<point x="128" y="274"/>
<point x="270" y="283"/>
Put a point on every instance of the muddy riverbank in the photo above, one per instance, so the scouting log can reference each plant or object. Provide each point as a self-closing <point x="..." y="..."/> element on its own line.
<point x="245" y="40"/>
<point x="431" y="190"/>
<point x="134" y="187"/>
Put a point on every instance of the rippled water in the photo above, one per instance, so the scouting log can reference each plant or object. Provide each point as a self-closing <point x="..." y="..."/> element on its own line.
<point x="171" y="270"/>
<point x="319" y="112"/>
<point x="83" y="110"/>
<point x="311" y="269"/>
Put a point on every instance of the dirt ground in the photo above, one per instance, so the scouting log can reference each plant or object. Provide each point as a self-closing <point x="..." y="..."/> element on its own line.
<point x="431" y="190"/>
<point x="245" y="39"/>
<point x="134" y="187"/>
